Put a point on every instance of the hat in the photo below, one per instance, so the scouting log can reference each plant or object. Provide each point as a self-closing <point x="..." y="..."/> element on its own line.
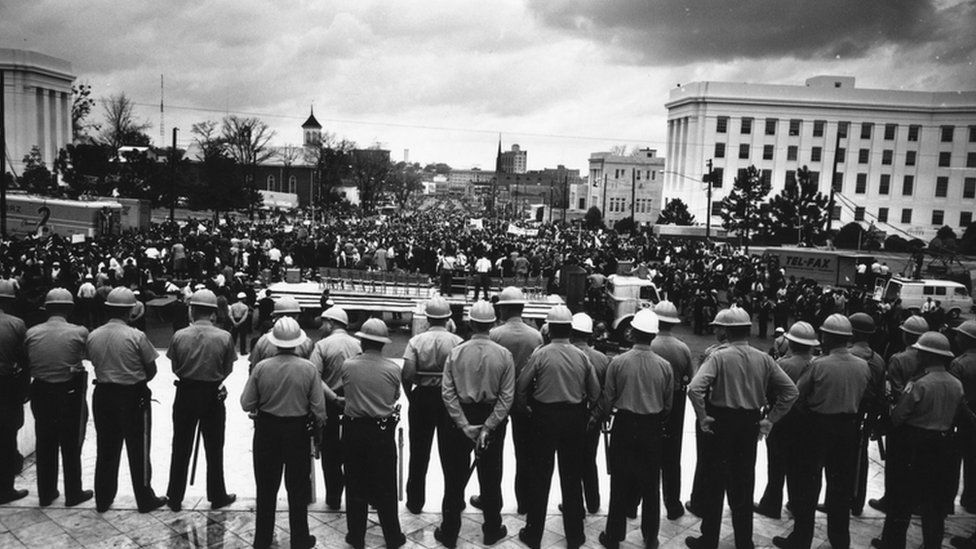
<point x="779" y="330"/>
<point x="582" y="323"/>
<point x="735" y="316"/>
<point x="837" y="324"/>
<point x="803" y="333"/>
<point x="967" y="329"/>
<point x="7" y="289"/>
<point x="935" y="343"/>
<point x="483" y="312"/>
<point x="121" y="297"/>
<point x="241" y="295"/>
<point x="287" y="306"/>
<point x="204" y="298"/>
<point x="915" y="325"/>
<point x="511" y="296"/>
<point x="560" y="314"/>
<point x="862" y="323"/>
<point x="667" y="312"/>
<point x="645" y="321"/>
<point x="374" y="329"/>
<point x="337" y="314"/>
<point x="286" y="334"/>
<point x="58" y="296"/>
<point x="438" y="307"/>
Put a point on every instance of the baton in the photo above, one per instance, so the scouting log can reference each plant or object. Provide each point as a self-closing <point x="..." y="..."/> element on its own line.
<point x="400" y="464"/>
<point x="881" y="449"/>
<point x="145" y="444"/>
<point x="607" y="426"/>
<point x="196" y="452"/>
<point x="477" y="459"/>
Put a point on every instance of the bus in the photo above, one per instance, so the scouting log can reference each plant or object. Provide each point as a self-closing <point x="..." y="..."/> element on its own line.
<point x="41" y="216"/>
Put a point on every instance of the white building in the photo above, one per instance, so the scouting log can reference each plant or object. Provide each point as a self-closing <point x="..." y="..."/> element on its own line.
<point x="37" y="102"/>
<point x="619" y="182"/>
<point x="906" y="160"/>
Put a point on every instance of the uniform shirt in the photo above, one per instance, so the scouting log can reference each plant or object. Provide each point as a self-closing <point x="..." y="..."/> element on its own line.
<point x="423" y="359"/>
<point x="285" y="386"/>
<point x="12" y="332"/>
<point x="639" y="381"/>
<point x="794" y="366"/>
<point x="371" y="384"/>
<point x="738" y="376"/>
<point x="902" y="367"/>
<point x="479" y="371"/>
<point x="835" y="383"/>
<point x="55" y="350"/>
<point x="202" y="352"/>
<point x="876" y="364"/>
<point x="329" y="354"/>
<point x="931" y="401"/>
<point x="519" y="338"/>
<point x="121" y="354"/>
<point x="964" y="368"/>
<point x="678" y="355"/>
<point x="599" y="360"/>
<point x="265" y="349"/>
<point x="558" y="373"/>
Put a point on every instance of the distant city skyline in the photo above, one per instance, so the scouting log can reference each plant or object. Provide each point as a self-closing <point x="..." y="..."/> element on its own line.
<point x="561" y="78"/>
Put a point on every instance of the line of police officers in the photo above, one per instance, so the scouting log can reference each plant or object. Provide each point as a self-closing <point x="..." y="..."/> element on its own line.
<point x="558" y="395"/>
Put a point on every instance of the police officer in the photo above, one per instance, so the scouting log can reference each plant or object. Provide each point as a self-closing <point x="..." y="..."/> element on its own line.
<point x="863" y="327"/>
<point x="678" y="355"/>
<point x="920" y="447"/>
<point x="640" y="386"/>
<point x="964" y="368"/>
<point x="423" y="366"/>
<point x="202" y="357"/>
<point x="560" y="380"/>
<point x="728" y="392"/>
<point x="786" y="434"/>
<point x="13" y="377"/>
<point x="520" y="339"/>
<point x="283" y="390"/>
<point x="55" y="350"/>
<point x="263" y="348"/>
<point x="902" y="367"/>
<point x="328" y="356"/>
<point x="831" y="391"/>
<point x="582" y="331"/>
<point x="372" y="387"/>
<point x="124" y="361"/>
<point x="478" y="390"/>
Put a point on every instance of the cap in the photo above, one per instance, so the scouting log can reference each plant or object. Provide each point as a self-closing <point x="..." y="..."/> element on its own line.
<point x="803" y="333"/>
<point x="837" y="324"/>
<point x="438" y="307"/>
<point x="241" y="295"/>
<point x="204" y="298"/>
<point x="286" y="333"/>
<point x="915" y="325"/>
<point x="59" y="296"/>
<point x="511" y="296"/>
<point x="287" y="306"/>
<point x="935" y="343"/>
<point x="374" y="329"/>
<point x="483" y="312"/>
<point x="667" y="312"/>
<point x="645" y="321"/>
<point x="560" y="314"/>
<point x="862" y="323"/>
<point x="120" y="297"/>
<point x="7" y="289"/>
<point x="336" y="313"/>
<point x="583" y="323"/>
<point x="967" y="329"/>
<point x="779" y="330"/>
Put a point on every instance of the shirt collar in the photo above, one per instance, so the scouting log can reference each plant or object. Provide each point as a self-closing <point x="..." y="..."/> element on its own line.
<point x="437" y="329"/>
<point x="641" y="347"/>
<point x="479" y="336"/>
<point x="57" y="318"/>
<point x="202" y="322"/>
<point x="117" y="321"/>
<point x="562" y="340"/>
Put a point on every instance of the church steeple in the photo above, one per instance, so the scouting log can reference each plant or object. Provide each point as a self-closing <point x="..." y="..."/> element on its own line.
<point x="498" y="157"/>
<point x="312" y="122"/>
<point x="312" y="130"/>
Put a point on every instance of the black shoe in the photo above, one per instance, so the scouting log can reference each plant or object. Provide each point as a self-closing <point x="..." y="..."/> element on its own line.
<point x="605" y="541"/>
<point x="439" y="536"/>
<point x="175" y="506"/>
<point x="12" y="495"/>
<point x="311" y="540"/>
<point x="575" y="544"/>
<point x="526" y="538"/>
<point x="769" y="513"/>
<point x="415" y="509"/>
<point x="333" y="506"/>
<point x="103" y="507"/>
<point x="877" y="543"/>
<point x="782" y="542"/>
<point x="492" y="538"/>
<point x="857" y="512"/>
<point x="48" y="501"/>
<point x="632" y="513"/>
<point x="593" y="509"/>
<point x="960" y="542"/>
<point x="153" y="504"/>
<point x="82" y="497"/>
<point x="400" y="542"/>
<point x="821" y="507"/>
<point x="694" y="543"/>
<point x="879" y="505"/>
<point x="228" y="499"/>
<point x="475" y="502"/>
<point x="675" y="511"/>
<point x="693" y="511"/>
<point x="354" y="544"/>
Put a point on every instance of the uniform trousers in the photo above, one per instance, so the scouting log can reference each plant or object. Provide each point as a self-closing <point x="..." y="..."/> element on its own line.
<point x="781" y="451"/>
<point x="371" y="477"/>
<point x="455" y="449"/>
<point x="966" y="456"/>
<point x="860" y="493"/>
<point x="829" y="444"/>
<point x="196" y="404"/>
<point x="522" y="440"/>
<point x="122" y="415"/>
<point x="635" y="464"/>
<point x="919" y="463"/>
<point x="671" y="453"/>
<point x="702" y="441"/>
<point x="557" y="429"/>
<point x="425" y="414"/>
<point x="11" y="420"/>
<point x="281" y="443"/>
<point x="729" y="467"/>
<point x="332" y="453"/>
<point x="60" y="418"/>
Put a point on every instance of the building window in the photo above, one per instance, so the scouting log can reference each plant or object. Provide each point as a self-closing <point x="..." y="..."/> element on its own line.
<point x="790" y="177"/>
<point x="818" y="128"/>
<point x="866" y="130"/>
<point x="906" y="215"/>
<point x="292" y="184"/>
<point x="717" y="176"/>
<point x="863" y="155"/>
<point x="771" y="126"/>
<point x="744" y="151"/>
<point x="637" y="175"/>
<point x="965" y="218"/>
<point x="941" y="187"/>
<point x="907" y="185"/>
<point x="835" y="213"/>
<point x="766" y="176"/>
<point x="971" y="160"/>
<point x="842" y="128"/>
<point x="582" y="204"/>
<point x="972" y="134"/>
<point x="945" y="159"/>
<point x="938" y="216"/>
<point x="913" y="132"/>
<point x="815" y="154"/>
<point x="883" y="215"/>
<point x="814" y="178"/>
<point x="969" y="187"/>
<point x="886" y="156"/>
<point x="884" y="184"/>
<point x="791" y="152"/>
<point x="910" y="158"/>
<point x="859" y="213"/>
<point x="720" y="150"/>
<point x="861" y="186"/>
<point x="746" y="125"/>
<point x="741" y="174"/>
<point x="946" y="133"/>
<point x="716" y="207"/>
<point x="837" y="184"/>
<point x="271" y="183"/>
<point x="889" y="133"/>
<point x="722" y="124"/>
<point x="768" y="152"/>
<point x="795" y="126"/>
<point x="841" y="154"/>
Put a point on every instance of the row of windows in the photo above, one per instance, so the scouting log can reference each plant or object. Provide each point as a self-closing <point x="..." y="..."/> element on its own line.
<point x="907" y="185"/>
<point x="863" y="155"/>
<point x="650" y="175"/>
<point x="292" y="185"/>
<point x="641" y="205"/>
<point x="946" y="132"/>
<point x="938" y="216"/>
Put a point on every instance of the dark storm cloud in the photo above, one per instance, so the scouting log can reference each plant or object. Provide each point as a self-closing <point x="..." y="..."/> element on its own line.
<point x="675" y="32"/>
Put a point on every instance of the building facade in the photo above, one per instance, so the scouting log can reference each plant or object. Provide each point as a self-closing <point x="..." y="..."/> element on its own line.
<point x="513" y="161"/>
<point x="621" y="185"/>
<point x="37" y="100"/>
<point x="905" y="160"/>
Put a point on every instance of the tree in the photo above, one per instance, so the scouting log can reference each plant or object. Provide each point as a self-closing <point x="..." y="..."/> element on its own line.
<point x="967" y="243"/>
<point x="625" y="225"/>
<point x="675" y="212"/>
<point x="405" y="179"/>
<point x="799" y="211"/>
<point x="121" y="128"/>
<point x="593" y="218"/>
<point x="246" y="140"/>
<point x="438" y="168"/>
<point x="218" y="185"/>
<point x="81" y="107"/>
<point x="85" y="167"/>
<point x="370" y="170"/>
<point x="740" y="210"/>
<point x="849" y="236"/>
<point x="36" y="178"/>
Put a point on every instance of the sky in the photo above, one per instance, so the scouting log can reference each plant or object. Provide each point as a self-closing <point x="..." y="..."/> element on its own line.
<point x="445" y="78"/>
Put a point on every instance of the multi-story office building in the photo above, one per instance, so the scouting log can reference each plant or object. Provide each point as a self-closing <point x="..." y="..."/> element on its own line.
<point x="513" y="161"/>
<point x="905" y="160"/>
<point x="621" y="184"/>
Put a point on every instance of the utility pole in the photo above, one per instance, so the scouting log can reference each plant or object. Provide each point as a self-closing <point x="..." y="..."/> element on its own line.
<point x="708" y="207"/>
<point x="633" y="195"/>
<point x="3" y="158"/>
<point x="604" y="203"/>
<point x="833" y="174"/>
<point x="172" y="181"/>
<point x="565" y="196"/>
<point x="551" y="205"/>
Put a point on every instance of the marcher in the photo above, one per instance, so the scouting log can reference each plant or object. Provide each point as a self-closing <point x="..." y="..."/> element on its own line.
<point x="14" y="378"/>
<point x="240" y="318"/>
